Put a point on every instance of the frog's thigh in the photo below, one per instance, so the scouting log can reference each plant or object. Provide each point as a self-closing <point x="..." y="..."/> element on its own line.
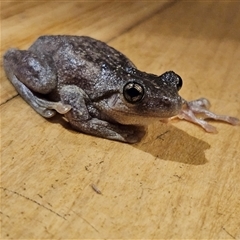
<point x="81" y="120"/>
<point x="34" y="73"/>
<point x="45" y="108"/>
<point x="26" y="73"/>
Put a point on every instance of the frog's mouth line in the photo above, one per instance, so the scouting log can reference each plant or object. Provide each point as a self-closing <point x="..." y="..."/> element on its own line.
<point x="116" y="108"/>
<point x="117" y="114"/>
<point x="134" y="118"/>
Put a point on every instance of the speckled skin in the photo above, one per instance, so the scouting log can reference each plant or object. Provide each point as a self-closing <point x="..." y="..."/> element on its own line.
<point x="89" y="76"/>
<point x="86" y="80"/>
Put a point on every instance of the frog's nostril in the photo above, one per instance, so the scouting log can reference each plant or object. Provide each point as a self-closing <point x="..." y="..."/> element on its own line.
<point x="166" y="101"/>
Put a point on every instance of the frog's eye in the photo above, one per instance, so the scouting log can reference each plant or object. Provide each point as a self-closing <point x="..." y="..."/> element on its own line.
<point x="133" y="92"/>
<point x="179" y="82"/>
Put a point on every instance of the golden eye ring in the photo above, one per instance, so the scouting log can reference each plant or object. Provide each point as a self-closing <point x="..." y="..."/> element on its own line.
<point x="133" y="92"/>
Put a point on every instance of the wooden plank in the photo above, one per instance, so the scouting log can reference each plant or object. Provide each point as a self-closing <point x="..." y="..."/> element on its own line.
<point x="179" y="182"/>
<point x="74" y="18"/>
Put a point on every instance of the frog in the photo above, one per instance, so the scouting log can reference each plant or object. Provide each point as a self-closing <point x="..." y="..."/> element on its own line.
<point x="98" y="90"/>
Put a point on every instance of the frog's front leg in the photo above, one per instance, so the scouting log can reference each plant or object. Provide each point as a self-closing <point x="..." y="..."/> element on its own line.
<point x="198" y="110"/>
<point x="30" y="75"/>
<point x="84" y="118"/>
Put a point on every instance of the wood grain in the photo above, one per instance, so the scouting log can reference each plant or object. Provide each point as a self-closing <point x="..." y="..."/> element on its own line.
<point x="178" y="182"/>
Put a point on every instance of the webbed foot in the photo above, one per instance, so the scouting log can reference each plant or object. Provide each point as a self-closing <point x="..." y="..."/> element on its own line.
<point x="197" y="111"/>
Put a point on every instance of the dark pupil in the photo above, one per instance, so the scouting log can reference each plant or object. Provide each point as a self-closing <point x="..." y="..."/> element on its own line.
<point x="133" y="92"/>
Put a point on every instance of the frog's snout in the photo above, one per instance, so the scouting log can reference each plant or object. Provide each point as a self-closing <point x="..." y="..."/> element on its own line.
<point x="171" y="106"/>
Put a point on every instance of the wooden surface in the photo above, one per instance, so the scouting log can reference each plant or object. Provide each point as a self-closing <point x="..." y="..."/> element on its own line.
<point x="179" y="182"/>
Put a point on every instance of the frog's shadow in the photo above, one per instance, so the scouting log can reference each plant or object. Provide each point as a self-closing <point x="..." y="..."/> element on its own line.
<point x="173" y="144"/>
<point x="169" y="143"/>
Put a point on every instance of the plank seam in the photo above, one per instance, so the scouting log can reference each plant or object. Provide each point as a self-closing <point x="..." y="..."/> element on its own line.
<point x="9" y="99"/>
<point x="161" y="9"/>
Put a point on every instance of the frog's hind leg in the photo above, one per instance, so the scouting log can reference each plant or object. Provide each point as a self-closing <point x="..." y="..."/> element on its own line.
<point x="84" y="118"/>
<point x="30" y="76"/>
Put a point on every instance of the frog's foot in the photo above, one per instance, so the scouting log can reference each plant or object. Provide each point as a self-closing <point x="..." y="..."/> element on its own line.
<point x="45" y="108"/>
<point x="57" y="106"/>
<point x="197" y="111"/>
<point x="31" y="75"/>
<point x="100" y="128"/>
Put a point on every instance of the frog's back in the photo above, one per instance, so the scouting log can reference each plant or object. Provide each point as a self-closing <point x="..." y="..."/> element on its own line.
<point x="83" y="47"/>
<point x="84" y="62"/>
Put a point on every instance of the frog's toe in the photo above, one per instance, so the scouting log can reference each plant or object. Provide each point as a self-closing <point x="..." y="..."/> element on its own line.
<point x="48" y="113"/>
<point x="52" y="107"/>
<point x="188" y="115"/>
<point x="201" y="103"/>
<point x="62" y="108"/>
<point x="196" y="111"/>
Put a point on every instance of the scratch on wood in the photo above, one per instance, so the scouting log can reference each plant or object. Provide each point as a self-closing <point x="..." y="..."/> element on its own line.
<point x="179" y="177"/>
<point x="96" y="189"/>
<point x="39" y="195"/>
<point x="228" y="232"/>
<point x="59" y="151"/>
<point x="161" y="135"/>
<point x="34" y="201"/>
<point x="4" y="214"/>
<point x="85" y="221"/>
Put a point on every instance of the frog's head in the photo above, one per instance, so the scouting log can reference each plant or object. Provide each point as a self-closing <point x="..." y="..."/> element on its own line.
<point x="148" y="96"/>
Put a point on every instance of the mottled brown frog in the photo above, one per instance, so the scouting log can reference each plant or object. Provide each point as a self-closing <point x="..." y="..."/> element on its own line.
<point x="98" y="89"/>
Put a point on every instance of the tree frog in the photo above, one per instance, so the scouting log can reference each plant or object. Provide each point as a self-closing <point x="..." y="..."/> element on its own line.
<point x="98" y="89"/>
